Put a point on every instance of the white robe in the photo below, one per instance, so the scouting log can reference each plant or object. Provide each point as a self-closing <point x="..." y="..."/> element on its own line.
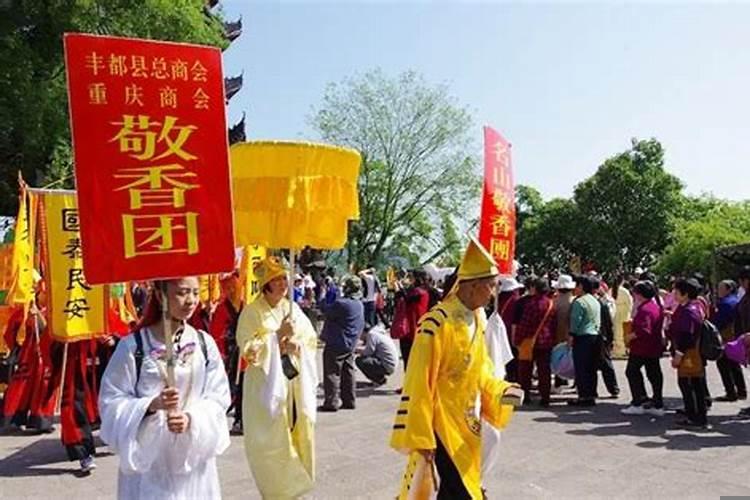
<point x="498" y="349"/>
<point x="154" y="462"/>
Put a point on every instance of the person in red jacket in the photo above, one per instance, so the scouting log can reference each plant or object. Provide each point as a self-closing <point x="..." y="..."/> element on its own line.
<point x="417" y="304"/>
<point x="30" y="397"/>
<point x="223" y="329"/>
<point x="535" y="338"/>
<point x="646" y="343"/>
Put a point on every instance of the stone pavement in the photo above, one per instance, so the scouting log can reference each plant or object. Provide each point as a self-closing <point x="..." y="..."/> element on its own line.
<point x="558" y="452"/>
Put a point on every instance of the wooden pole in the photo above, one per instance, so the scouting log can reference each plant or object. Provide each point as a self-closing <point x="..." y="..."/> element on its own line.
<point x="60" y="393"/>
<point x="291" y="282"/>
<point x="168" y="340"/>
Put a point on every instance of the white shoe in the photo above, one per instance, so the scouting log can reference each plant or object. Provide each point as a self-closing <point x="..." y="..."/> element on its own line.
<point x="558" y="390"/>
<point x="633" y="410"/>
<point x="87" y="464"/>
<point x="655" y="412"/>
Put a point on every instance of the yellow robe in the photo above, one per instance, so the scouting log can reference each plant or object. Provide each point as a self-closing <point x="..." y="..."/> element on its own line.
<point x="449" y="373"/>
<point x="280" y="450"/>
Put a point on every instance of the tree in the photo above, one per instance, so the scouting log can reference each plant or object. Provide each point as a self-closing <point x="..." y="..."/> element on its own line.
<point x="628" y="208"/>
<point x="550" y="236"/>
<point x="418" y="167"/>
<point x="696" y="239"/>
<point x="35" y="137"/>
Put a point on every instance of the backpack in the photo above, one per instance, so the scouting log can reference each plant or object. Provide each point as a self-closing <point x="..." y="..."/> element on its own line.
<point x="138" y="354"/>
<point x="711" y="347"/>
<point x="607" y="327"/>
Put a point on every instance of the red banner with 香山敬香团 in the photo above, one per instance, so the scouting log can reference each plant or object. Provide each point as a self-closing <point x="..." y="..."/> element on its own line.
<point x="151" y="158"/>
<point x="497" y="230"/>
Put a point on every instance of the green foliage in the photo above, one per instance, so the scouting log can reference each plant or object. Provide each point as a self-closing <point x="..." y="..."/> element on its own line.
<point x="620" y="218"/>
<point x="696" y="239"/>
<point x="35" y="137"/>
<point x="549" y="238"/>
<point x="628" y="208"/>
<point x="418" y="170"/>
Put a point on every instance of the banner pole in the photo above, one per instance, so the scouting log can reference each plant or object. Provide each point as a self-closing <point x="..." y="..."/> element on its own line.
<point x="168" y="340"/>
<point x="60" y="393"/>
<point x="291" y="282"/>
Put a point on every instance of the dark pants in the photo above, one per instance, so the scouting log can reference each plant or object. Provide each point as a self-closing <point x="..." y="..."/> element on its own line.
<point x="405" y="346"/>
<point x="338" y="376"/>
<point x="583" y="358"/>
<point x="451" y="486"/>
<point x="371" y="315"/>
<point x="511" y="367"/>
<point x="238" y="400"/>
<point x="542" y="361"/>
<point x="694" y="397"/>
<point x="731" y="377"/>
<point x="372" y="368"/>
<point x="603" y="360"/>
<point x="635" y="380"/>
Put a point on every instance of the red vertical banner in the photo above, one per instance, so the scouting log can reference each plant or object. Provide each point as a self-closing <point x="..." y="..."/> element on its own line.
<point x="497" y="229"/>
<point x="151" y="158"/>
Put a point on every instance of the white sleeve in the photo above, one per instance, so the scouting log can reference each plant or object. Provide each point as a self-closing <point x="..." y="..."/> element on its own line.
<point x="209" y="432"/>
<point x="122" y="412"/>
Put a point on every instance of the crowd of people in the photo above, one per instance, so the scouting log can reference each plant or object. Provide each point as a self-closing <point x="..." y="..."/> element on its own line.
<point x="257" y="362"/>
<point x="632" y="319"/>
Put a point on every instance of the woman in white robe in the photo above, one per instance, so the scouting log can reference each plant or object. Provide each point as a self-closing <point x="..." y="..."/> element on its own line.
<point x="167" y="439"/>
<point x="278" y="412"/>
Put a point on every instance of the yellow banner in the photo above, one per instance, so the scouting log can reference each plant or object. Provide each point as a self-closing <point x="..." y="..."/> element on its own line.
<point x="250" y="256"/>
<point x="6" y="269"/>
<point x="77" y="310"/>
<point x="5" y="314"/>
<point x="22" y="264"/>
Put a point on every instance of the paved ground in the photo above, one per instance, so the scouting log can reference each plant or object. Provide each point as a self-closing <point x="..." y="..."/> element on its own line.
<point x="552" y="453"/>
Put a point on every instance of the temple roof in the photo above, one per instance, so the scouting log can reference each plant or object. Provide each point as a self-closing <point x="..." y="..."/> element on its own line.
<point x="237" y="132"/>
<point x="232" y="85"/>
<point x="232" y="30"/>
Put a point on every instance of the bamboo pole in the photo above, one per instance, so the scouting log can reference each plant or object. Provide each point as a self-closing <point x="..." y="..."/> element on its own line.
<point x="61" y="392"/>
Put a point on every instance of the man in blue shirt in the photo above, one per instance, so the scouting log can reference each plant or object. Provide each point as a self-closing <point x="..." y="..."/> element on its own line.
<point x="344" y="322"/>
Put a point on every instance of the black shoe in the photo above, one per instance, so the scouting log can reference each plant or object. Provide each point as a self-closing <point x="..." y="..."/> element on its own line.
<point x="582" y="402"/>
<point x="327" y="409"/>
<point x="726" y="399"/>
<point x="614" y="394"/>
<point x="350" y="406"/>
<point x="742" y="396"/>
<point x="745" y="412"/>
<point x="544" y="403"/>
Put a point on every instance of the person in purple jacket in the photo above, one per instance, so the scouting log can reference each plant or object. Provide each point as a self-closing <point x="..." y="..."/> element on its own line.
<point x="646" y="347"/>
<point x="684" y="334"/>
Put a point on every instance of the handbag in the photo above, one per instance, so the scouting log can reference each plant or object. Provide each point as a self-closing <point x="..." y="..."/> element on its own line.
<point x="526" y="348"/>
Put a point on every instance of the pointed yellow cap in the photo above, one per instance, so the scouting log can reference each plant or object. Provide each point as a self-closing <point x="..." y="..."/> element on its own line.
<point x="477" y="263"/>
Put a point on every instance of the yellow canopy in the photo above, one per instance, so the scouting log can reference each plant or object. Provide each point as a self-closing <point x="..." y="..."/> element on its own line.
<point x="293" y="194"/>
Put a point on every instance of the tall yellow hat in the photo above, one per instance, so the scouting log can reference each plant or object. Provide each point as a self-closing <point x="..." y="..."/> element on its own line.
<point x="269" y="269"/>
<point x="477" y="263"/>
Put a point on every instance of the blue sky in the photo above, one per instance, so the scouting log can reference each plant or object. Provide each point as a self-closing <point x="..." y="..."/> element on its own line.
<point x="567" y="84"/>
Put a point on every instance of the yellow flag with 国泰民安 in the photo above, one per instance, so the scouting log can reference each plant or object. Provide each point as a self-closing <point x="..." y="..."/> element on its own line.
<point x="76" y="310"/>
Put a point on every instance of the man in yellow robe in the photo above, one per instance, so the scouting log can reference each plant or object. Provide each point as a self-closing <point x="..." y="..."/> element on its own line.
<point x="450" y="386"/>
<point x="278" y="411"/>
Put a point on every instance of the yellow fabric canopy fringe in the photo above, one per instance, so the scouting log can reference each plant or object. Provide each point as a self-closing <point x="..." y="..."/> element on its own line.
<point x="293" y="194"/>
